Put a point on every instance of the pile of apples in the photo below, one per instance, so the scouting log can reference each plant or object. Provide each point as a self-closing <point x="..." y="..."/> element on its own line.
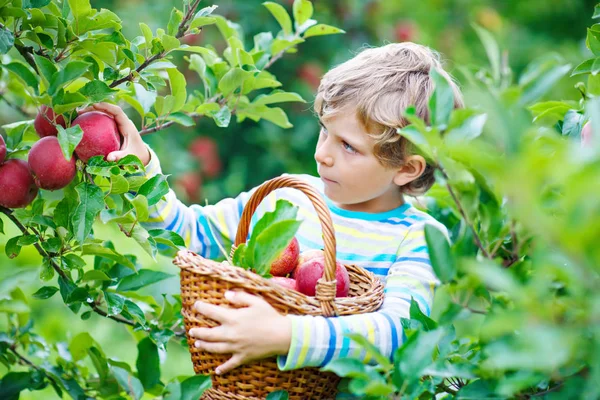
<point x="46" y="166"/>
<point x="301" y="272"/>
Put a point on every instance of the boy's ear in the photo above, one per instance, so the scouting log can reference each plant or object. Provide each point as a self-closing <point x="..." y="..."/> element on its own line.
<point x="413" y="168"/>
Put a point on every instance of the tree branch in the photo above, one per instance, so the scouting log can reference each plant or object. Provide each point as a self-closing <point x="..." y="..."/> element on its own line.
<point x="27" y="53"/>
<point x="462" y="212"/>
<point x="183" y="27"/>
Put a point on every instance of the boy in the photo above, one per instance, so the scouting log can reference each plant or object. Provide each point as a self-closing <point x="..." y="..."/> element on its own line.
<point x="365" y="170"/>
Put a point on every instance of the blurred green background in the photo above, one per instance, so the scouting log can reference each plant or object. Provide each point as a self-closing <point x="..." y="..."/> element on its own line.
<point x="207" y="163"/>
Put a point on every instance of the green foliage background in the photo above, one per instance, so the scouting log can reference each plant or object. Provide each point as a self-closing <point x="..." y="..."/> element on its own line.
<point x="254" y="152"/>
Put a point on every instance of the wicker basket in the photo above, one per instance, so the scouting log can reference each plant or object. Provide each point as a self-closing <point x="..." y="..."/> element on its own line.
<point x="207" y="280"/>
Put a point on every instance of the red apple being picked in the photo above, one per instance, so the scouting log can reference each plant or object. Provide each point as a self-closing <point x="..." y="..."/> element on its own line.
<point x="287" y="260"/>
<point x="288" y="283"/>
<point x="100" y="135"/>
<point x="308" y="273"/>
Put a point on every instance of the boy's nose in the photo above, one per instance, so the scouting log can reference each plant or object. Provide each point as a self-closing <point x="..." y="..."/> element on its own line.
<point x="322" y="156"/>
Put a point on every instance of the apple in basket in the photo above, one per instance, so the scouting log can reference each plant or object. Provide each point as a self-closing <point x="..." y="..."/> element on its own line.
<point x="309" y="272"/>
<point x="288" y="283"/>
<point x="287" y="260"/>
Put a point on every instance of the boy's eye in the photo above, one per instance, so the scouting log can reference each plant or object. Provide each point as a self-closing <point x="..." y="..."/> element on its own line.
<point x="348" y="148"/>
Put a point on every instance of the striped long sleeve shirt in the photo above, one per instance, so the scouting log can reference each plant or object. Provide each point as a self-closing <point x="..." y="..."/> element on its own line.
<point x="389" y="244"/>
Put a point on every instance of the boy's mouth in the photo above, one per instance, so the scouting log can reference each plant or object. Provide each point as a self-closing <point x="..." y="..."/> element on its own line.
<point x="327" y="180"/>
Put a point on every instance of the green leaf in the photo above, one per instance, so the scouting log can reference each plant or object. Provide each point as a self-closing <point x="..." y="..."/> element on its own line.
<point x="491" y="48"/>
<point x="277" y="96"/>
<point x="45" y="292"/>
<point x="114" y="303"/>
<point x="13" y="383"/>
<point x="281" y="15"/>
<point x="182" y="119"/>
<point x="24" y="74"/>
<point x="275" y="115"/>
<point x="541" y="85"/>
<point x="26" y="240"/>
<point x="79" y="345"/>
<point x="550" y="111"/>
<point x="442" y="261"/>
<point x="95" y="275"/>
<point x="148" y="363"/>
<point x="147" y="32"/>
<point x="222" y="117"/>
<point x="91" y="202"/>
<point x="14" y="307"/>
<point x="7" y="40"/>
<point x="80" y="8"/>
<point x="154" y="189"/>
<point x="284" y="211"/>
<point x="167" y="237"/>
<point x="202" y="21"/>
<point x="97" y="91"/>
<point x="103" y="251"/>
<point x="12" y="248"/>
<point x="278" y="395"/>
<point x="441" y="102"/>
<point x="128" y="382"/>
<point x="347" y="367"/>
<point x="415" y="355"/>
<point x="193" y="387"/>
<point x="573" y="124"/>
<point x="271" y="242"/>
<point x="140" y="203"/>
<point x="417" y="314"/>
<point x="69" y="139"/>
<point x="118" y="184"/>
<point x="239" y="256"/>
<point x="45" y="66"/>
<point x="322" y="29"/>
<point x="303" y="10"/>
<point x="233" y="79"/>
<point x="173" y="25"/>
<point x="464" y="125"/>
<point x="371" y="350"/>
<point x="144" y="277"/>
<point x="135" y="311"/>
<point x="178" y="90"/>
<point x="170" y="43"/>
<point x="72" y="71"/>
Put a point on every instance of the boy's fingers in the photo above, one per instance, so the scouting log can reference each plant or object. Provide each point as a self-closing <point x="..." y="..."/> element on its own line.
<point x="116" y="155"/>
<point x="243" y="299"/>
<point x="235" y="361"/>
<point x="219" y="314"/>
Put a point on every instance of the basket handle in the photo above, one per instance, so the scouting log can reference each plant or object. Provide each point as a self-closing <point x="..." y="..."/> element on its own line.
<point x="326" y="286"/>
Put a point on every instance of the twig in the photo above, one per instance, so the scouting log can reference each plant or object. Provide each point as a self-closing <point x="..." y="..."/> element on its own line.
<point x="180" y="32"/>
<point x="14" y="106"/>
<point x="463" y="213"/>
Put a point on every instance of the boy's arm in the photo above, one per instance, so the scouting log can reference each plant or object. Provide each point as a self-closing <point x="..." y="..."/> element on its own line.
<point x="318" y="340"/>
<point x="203" y="228"/>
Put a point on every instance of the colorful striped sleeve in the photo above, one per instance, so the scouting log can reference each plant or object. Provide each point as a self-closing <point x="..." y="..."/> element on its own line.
<point x="203" y="228"/>
<point x="318" y="340"/>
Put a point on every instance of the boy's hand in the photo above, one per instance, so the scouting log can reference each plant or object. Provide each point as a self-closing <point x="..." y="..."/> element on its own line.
<point x="132" y="140"/>
<point x="250" y="333"/>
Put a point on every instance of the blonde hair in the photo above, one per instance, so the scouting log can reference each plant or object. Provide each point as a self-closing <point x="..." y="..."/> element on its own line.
<point x="380" y="83"/>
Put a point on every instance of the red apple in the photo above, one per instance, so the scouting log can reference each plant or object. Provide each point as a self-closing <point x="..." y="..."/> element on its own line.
<point x="17" y="188"/>
<point x="2" y="149"/>
<point x="100" y="135"/>
<point x="309" y="255"/>
<point x="42" y="124"/>
<point x="190" y="183"/>
<point x="311" y="73"/>
<point x="288" y="283"/>
<point x="50" y="168"/>
<point x="405" y="31"/>
<point x="207" y="153"/>
<point x="310" y="272"/>
<point x="287" y="260"/>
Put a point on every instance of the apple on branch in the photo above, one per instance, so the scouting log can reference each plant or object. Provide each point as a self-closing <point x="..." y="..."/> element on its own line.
<point x="42" y="123"/>
<point x="49" y="166"/>
<point x="18" y="186"/>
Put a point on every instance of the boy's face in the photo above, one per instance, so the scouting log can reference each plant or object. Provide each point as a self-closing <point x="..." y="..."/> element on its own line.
<point x="353" y="177"/>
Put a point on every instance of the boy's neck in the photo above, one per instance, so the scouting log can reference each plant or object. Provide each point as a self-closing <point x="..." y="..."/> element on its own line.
<point x="374" y="206"/>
